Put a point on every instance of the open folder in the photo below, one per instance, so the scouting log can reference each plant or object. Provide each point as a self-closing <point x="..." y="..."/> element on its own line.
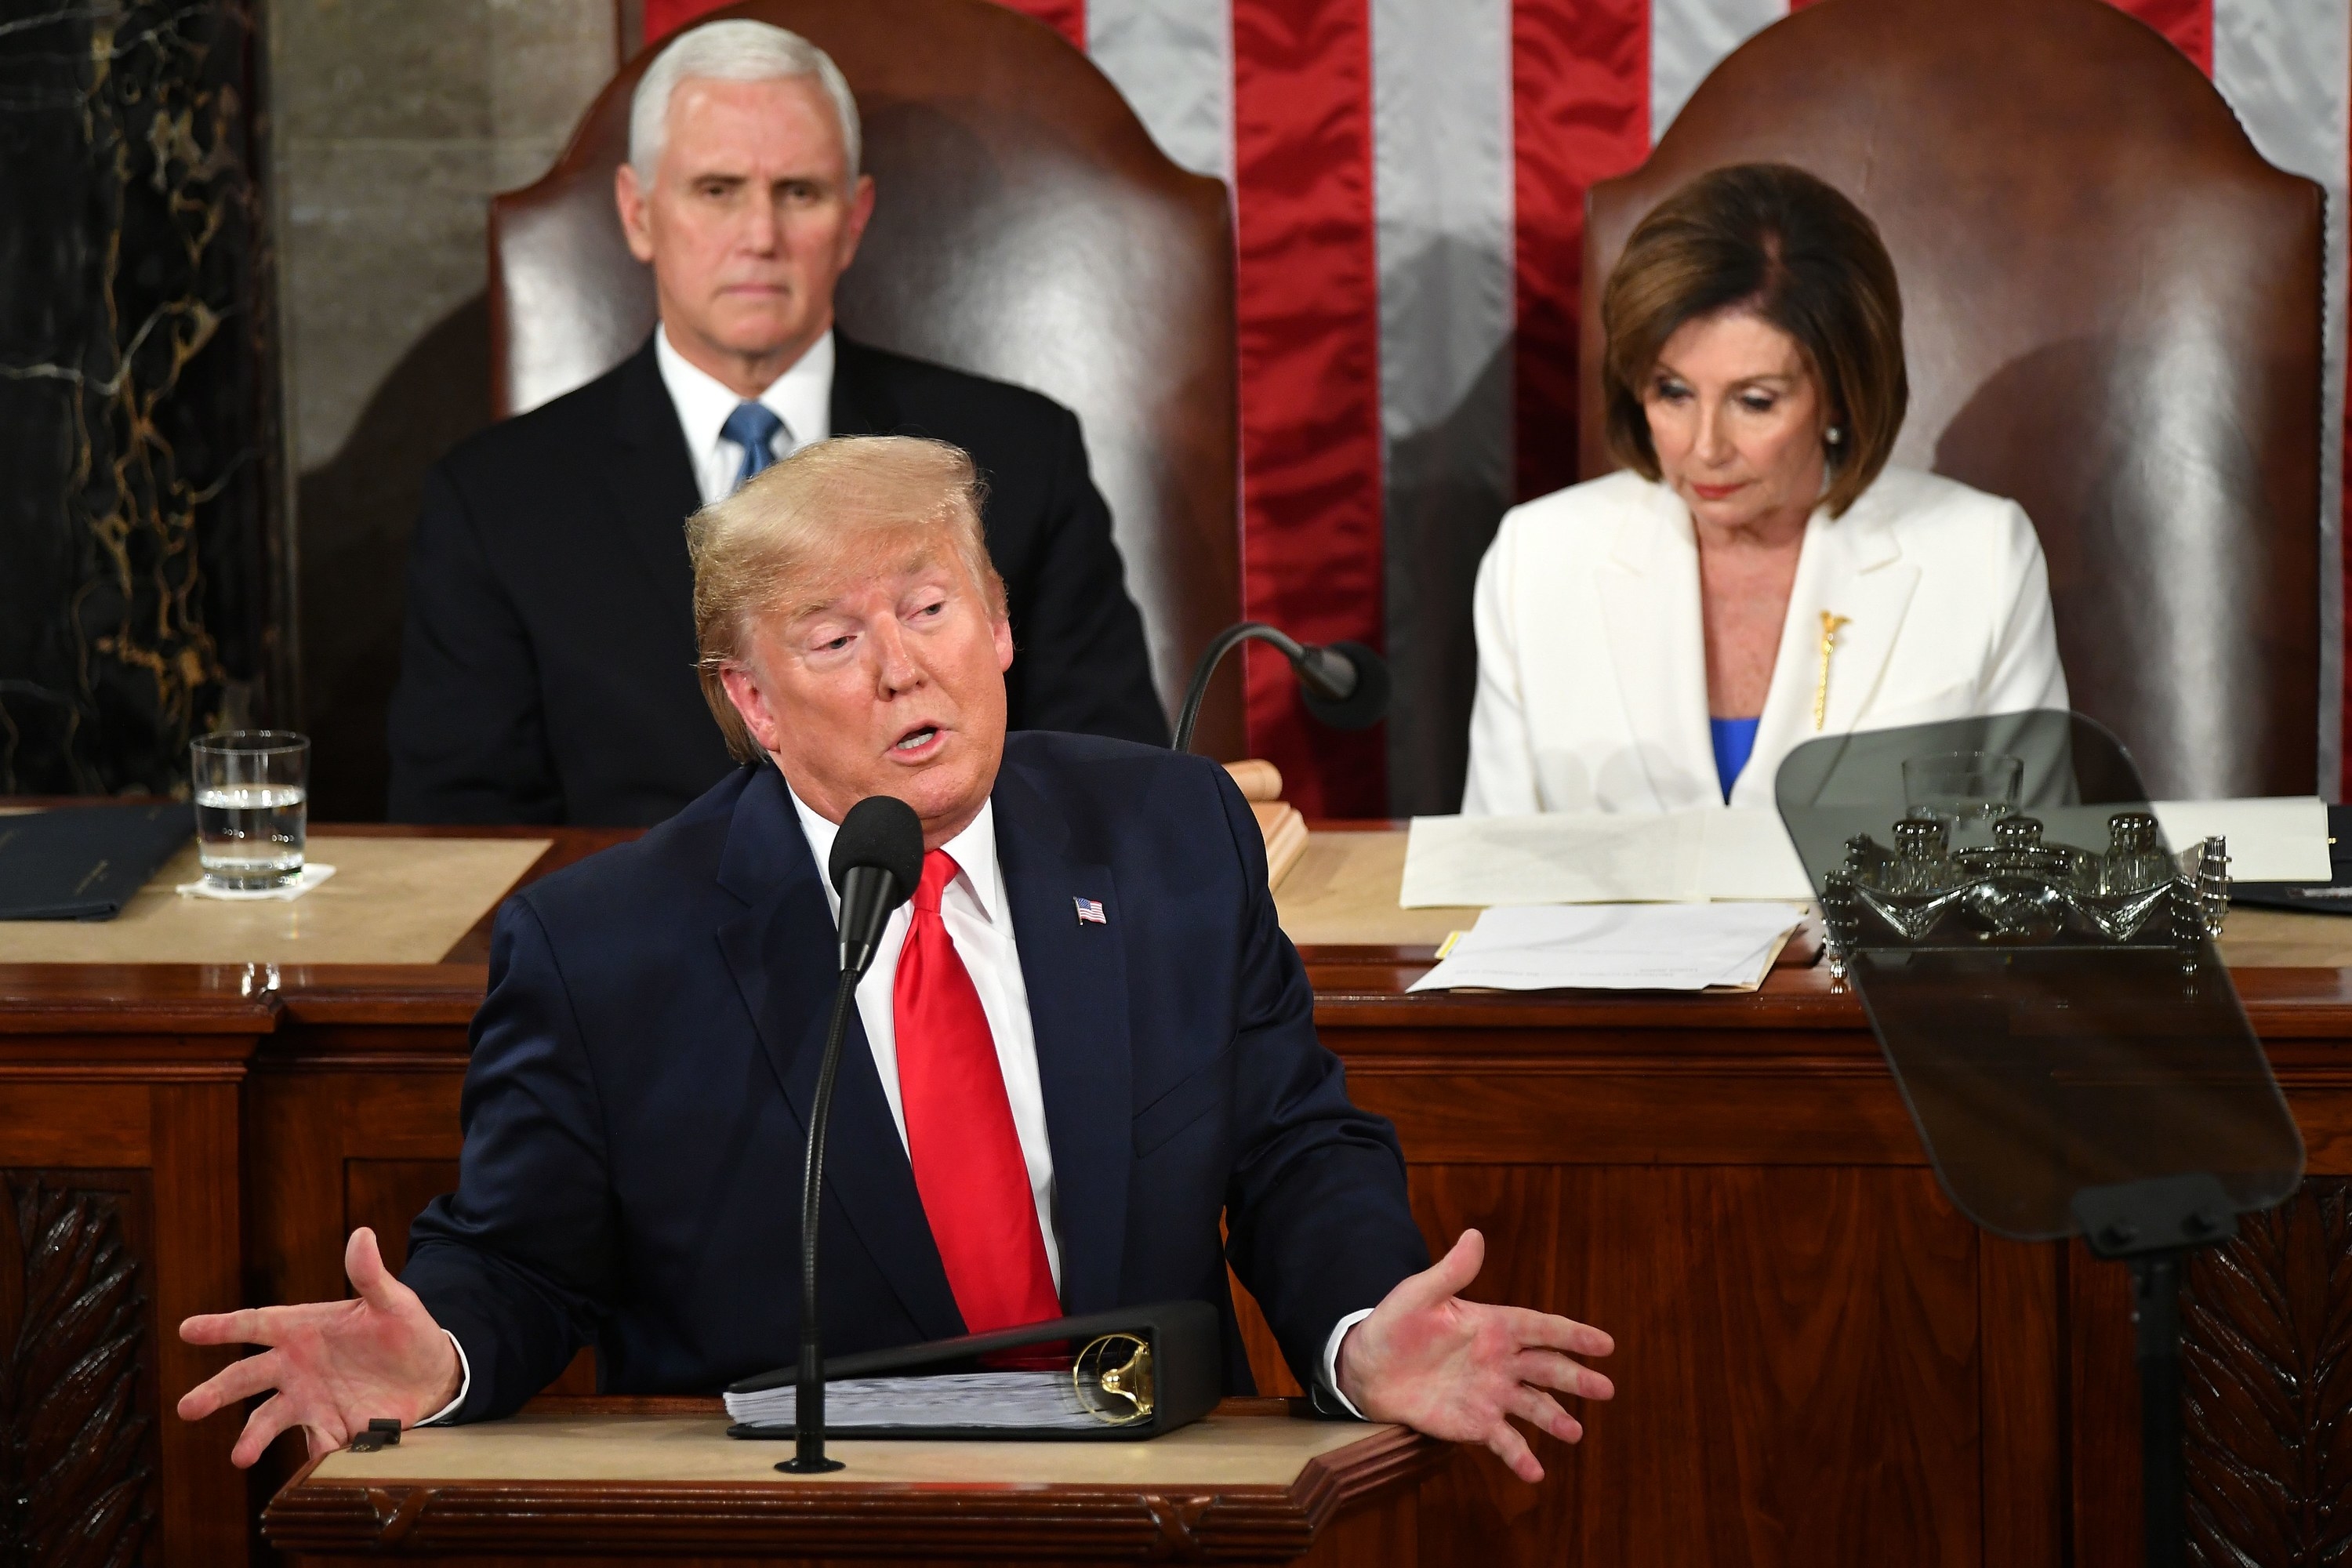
<point x="1136" y="1372"/>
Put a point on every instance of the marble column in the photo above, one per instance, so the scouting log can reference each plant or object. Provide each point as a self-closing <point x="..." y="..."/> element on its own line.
<point x="141" y="562"/>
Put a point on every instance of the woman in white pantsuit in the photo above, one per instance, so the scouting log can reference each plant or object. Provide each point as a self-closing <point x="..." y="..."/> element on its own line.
<point x="1757" y="575"/>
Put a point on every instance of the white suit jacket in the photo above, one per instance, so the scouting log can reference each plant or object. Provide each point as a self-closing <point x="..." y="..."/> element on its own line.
<point x="1591" y="656"/>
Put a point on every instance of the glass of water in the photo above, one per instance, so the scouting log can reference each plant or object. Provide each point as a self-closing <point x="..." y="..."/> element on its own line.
<point x="253" y="794"/>
<point x="1968" y="791"/>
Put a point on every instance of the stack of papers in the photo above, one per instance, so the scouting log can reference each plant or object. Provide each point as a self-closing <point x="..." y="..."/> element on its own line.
<point x="1617" y="947"/>
<point x="1018" y="1400"/>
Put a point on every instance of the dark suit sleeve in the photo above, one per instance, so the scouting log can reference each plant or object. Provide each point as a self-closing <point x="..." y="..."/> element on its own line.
<point x="1079" y="661"/>
<point x="467" y="732"/>
<point x="1318" y="1224"/>
<point x="516" y="1261"/>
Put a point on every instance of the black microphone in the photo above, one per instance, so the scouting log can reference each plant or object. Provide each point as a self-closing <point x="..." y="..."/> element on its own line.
<point x="876" y="865"/>
<point x="876" y="860"/>
<point x="1344" y="684"/>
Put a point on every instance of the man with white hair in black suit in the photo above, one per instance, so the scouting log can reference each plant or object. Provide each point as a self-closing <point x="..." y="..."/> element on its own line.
<point x="547" y="665"/>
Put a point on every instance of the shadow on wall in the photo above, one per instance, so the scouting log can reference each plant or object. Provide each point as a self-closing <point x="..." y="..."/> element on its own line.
<point x="354" y="516"/>
<point x="1443" y="507"/>
<point x="2187" y="609"/>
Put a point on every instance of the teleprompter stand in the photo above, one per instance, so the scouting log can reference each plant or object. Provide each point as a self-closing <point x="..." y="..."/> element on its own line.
<point x="2039" y="967"/>
<point x="2151" y="1226"/>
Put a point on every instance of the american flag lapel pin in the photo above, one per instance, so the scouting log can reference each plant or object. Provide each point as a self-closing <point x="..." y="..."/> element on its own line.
<point x="1091" y="912"/>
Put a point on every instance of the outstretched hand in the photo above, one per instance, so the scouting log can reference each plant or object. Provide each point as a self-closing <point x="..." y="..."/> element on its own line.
<point x="335" y="1365"/>
<point x="1460" y="1370"/>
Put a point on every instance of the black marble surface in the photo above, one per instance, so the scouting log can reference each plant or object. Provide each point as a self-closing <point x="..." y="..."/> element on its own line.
<point x="141" y="568"/>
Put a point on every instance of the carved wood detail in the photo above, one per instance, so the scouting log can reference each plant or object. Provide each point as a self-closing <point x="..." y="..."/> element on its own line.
<point x="2266" y="1329"/>
<point x="78" y="1474"/>
<point x="1091" y="1522"/>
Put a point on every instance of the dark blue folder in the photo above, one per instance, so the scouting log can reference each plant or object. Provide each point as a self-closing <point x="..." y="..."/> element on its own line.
<point x="83" y="862"/>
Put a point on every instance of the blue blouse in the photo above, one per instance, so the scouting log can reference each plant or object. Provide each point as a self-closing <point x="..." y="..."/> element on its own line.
<point x="1734" y="740"/>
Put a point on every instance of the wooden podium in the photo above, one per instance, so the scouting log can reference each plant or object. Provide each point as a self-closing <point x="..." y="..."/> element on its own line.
<point x="618" y="1480"/>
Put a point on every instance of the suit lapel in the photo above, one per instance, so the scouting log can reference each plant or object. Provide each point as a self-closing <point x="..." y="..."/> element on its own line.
<point x="1076" y="978"/>
<point x="859" y="404"/>
<point x="782" y="951"/>
<point x="653" y="483"/>
<point x="1852" y="569"/>
<point x="1649" y="598"/>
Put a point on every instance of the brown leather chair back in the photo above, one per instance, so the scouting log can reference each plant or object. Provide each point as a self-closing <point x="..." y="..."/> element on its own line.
<point x="2111" y="313"/>
<point x="1026" y="228"/>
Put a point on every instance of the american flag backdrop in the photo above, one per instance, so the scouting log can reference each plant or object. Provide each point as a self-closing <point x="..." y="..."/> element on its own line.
<point x="1409" y="181"/>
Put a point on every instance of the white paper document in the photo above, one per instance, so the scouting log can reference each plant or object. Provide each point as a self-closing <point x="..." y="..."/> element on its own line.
<point x="2278" y="840"/>
<point x="1743" y="852"/>
<point x="1600" y="858"/>
<point x="1616" y="947"/>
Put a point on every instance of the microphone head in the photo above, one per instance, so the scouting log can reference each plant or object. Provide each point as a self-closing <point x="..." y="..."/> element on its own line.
<point x="1362" y="707"/>
<point x="884" y="832"/>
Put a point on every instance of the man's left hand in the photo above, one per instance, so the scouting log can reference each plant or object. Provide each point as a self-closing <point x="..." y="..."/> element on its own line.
<point x="1460" y="1370"/>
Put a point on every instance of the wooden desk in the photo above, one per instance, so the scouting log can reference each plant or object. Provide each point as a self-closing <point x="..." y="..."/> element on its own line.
<point x="617" y="1480"/>
<point x="1820" y="1361"/>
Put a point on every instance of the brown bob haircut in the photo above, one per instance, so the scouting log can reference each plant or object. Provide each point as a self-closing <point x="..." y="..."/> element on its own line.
<point x="1774" y="241"/>
<point x="779" y="545"/>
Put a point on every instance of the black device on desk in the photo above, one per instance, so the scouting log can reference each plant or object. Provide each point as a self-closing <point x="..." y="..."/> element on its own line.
<point x="1129" y="1374"/>
<point x="2333" y="897"/>
<point x="84" y="862"/>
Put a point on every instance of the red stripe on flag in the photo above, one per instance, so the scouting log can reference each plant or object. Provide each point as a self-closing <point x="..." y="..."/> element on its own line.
<point x="1068" y="17"/>
<point x="664" y="17"/>
<point x="1307" y="301"/>
<point x="1580" y="112"/>
<point x="2189" y="24"/>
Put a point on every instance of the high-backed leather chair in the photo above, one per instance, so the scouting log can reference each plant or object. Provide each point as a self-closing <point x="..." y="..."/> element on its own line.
<point x="2111" y="313"/>
<point x="1026" y="228"/>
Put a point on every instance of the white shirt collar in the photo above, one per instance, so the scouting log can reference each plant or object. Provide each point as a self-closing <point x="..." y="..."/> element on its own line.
<point x="973" y="850"/>
<point x="802" y="397"/>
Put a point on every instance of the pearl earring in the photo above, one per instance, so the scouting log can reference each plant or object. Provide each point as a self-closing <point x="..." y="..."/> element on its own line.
<point x="1833" y="435"/>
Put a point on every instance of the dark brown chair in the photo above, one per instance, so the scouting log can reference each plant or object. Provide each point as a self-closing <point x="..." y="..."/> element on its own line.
<point x="1027" y="228"/>
<point x="2112" y="309"/>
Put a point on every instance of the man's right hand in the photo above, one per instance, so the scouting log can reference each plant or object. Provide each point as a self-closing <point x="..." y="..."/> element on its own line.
<point x="335" y="1365"/>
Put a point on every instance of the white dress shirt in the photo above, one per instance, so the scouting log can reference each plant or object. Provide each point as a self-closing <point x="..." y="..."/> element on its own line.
<point x="981" y="926"/>
<point x="802" y="397"/>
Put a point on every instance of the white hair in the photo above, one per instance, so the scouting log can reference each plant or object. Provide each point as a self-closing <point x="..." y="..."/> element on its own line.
<point x="732" y="51"/>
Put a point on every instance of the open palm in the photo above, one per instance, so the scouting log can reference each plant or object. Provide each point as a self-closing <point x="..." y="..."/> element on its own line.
<point x="1461" y="1370"/>
<point x="335" y="1365"/>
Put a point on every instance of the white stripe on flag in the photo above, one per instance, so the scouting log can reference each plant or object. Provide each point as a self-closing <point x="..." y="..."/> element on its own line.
<point x="1173" y="59"/>
<point x="2283" y="66"/>
<point x="1442" y="180"/>
<point x="1690" y="38"/>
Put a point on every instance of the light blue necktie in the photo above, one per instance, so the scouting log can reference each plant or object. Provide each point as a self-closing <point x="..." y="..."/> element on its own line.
<point x="754" y="429"/>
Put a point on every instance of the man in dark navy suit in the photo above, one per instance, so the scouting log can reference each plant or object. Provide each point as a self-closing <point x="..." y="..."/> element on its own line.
<point x="1083" y="1044"/>
<point x="547" y="661"/>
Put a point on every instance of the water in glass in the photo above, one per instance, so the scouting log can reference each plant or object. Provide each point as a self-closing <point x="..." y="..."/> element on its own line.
<point x="250" y="836"/>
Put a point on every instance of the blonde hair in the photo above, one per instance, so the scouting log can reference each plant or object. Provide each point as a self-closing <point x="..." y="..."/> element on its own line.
<point x="765" y="550"/>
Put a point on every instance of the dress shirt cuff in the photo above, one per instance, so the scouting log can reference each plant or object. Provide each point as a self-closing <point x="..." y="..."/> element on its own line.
<point x="465" y="1383"/>
<point x="1330" y="1360"/>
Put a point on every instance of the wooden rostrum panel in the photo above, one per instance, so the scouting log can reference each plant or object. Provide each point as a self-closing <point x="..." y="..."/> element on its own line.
<point x="2267" y="1373"/>
<point x="79" y="1450"/>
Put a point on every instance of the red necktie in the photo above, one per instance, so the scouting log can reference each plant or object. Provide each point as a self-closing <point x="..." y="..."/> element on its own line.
<point x="959" y="1132"/>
